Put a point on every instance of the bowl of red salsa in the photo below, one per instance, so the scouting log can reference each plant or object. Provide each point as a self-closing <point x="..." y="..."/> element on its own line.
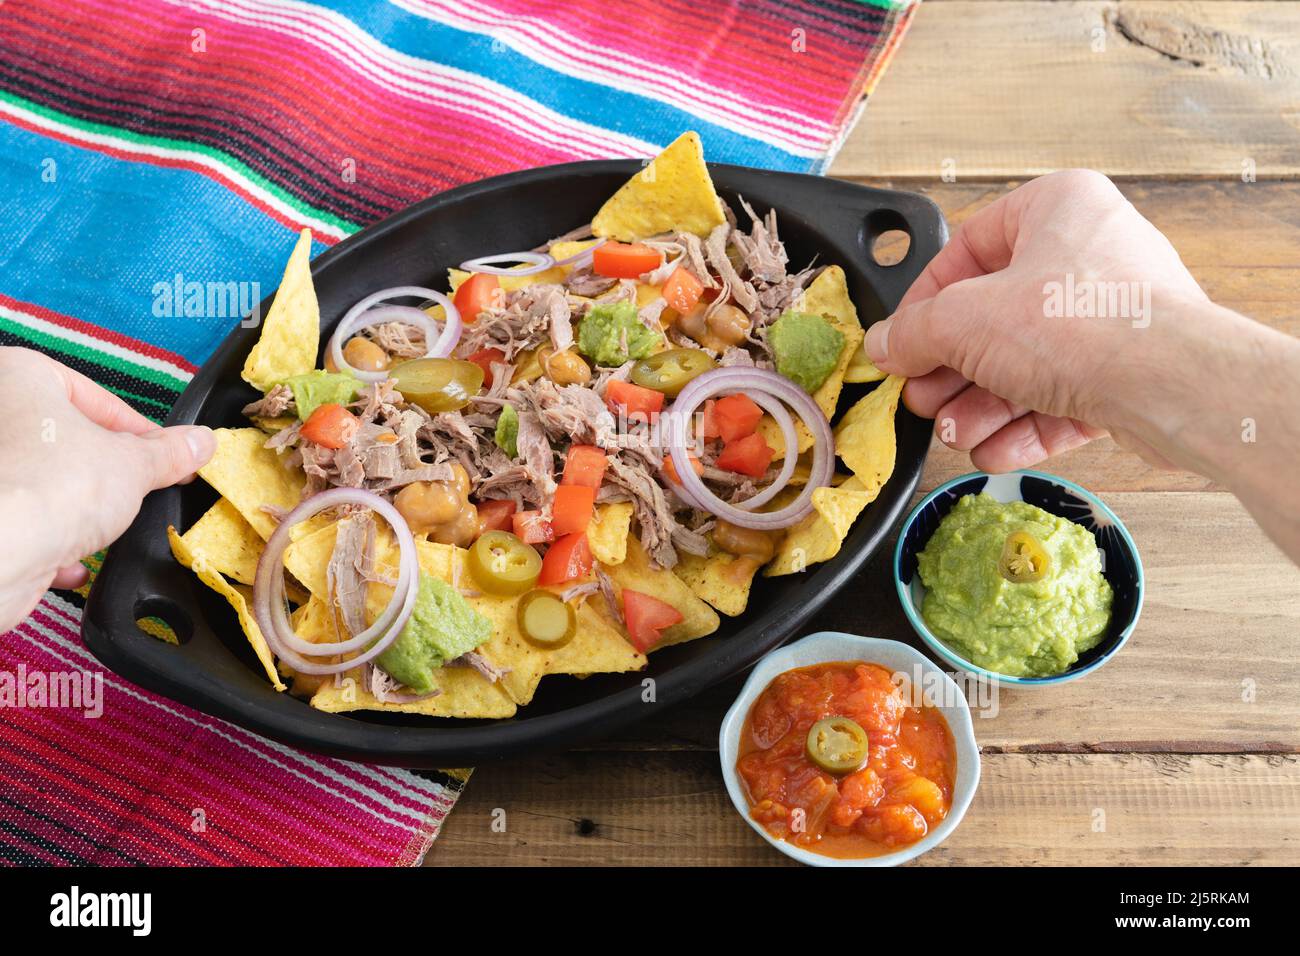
<point x="850" y="751"/>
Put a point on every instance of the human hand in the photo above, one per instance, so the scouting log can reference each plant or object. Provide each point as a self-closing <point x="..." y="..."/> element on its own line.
<point x="989" y="355"/>
<point x="77" y="462"/>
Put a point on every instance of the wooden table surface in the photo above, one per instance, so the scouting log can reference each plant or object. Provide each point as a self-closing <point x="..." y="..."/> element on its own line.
<point x="1183" y="750"/>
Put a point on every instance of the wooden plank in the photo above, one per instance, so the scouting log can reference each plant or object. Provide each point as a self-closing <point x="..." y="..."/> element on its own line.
<point x="1099" y="809"/>
<point x="1247" y="258"/>
<point x="1150" y="88"/>
<point x="1213" y="666"/>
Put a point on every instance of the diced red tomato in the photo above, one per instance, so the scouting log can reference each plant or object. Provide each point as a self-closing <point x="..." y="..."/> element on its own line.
<point x="330" y="425"/>
<point x="646" y="619"/>
<point x="682" y="290"/>
<point x="709" y="421"/>
<point x="670" y="469"/>
<point x="584" y="465"/>
<point x="623" y="260"/>
<point x="636" y="402"/>
<point x="531" y="528"/>
<point x="571" y="508"/>
<point x="484" y="358"/>
<point x="496" y="515"/>
<point x="748" y="456"/>
<point x="476" y="294"/>
<point x="736" y="416"/>
<point x="568" y="558"/>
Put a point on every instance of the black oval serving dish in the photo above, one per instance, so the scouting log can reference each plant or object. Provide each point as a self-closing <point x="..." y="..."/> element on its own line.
<point x="213" y="669"/>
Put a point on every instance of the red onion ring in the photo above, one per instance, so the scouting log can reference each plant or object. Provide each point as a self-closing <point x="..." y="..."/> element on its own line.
<point x="268" y="589"/>
<point x="541" y="261"/>
<point x="365" y="314"/>
<point x="764" y="387"/>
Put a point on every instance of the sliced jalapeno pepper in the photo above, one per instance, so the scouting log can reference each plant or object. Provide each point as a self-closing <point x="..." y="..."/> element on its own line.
<point x="546" y="621"/>
<point x="502" y="564"/>
<point x="1024" y="559"/>
<point x="669" y="371"/>
<point x="837" y="745"/>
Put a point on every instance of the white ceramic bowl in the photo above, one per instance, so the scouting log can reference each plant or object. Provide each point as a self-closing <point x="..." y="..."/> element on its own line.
<point x="822" y="648"/>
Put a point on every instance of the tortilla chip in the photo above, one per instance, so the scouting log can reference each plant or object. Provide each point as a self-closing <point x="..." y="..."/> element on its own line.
<point x="608" y="532"/>
<point x="636" y="573"/>
<point x="570" y="247"/>
<point x="463" y="692"/>
<point x="273" y="425"/>
<point x="249" y="476"/>
<point x="229" y="543"/>
<point x="197" y="561"/>
<point x="722" y="579"/>
<point x="864" y="438"/>
<point x="508" y="283"/>
<point x="599" y="647"/>
<point x="291" y="329"/>
<point x="673" y="193"/>
<point x="828" y="297"/>
<point x="819" y="536"/>
<point x="862" y="369"/>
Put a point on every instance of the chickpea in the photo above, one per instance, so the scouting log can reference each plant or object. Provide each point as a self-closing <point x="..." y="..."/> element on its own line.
<point x="564" y="368"/>
<point x="692" y="322"/>
<point x="362" y="354"/>
<point x="427" y="505"/>
<point x="729" y="324"/>
<point x="461" y="530"/>
<point x="745" y="542"/>
<point x="460" y="478"/>
<point x="440" y="509"/>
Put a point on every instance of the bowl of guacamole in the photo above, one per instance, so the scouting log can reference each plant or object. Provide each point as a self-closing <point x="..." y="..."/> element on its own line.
<point x="1023" y="577"/>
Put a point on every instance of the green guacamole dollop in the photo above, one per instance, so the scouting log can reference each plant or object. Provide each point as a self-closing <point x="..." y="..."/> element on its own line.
<point x="442" y="627"/>
<point x="611" y="334"/>
<point x="318" y="387"/>
<point x="806" y="348"/>
<point x="1034" y="629"/>
<point x="507" y="433"/>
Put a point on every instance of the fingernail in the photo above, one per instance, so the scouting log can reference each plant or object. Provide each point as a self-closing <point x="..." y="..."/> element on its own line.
<point x="202" y="442"/>
<point x="877" y="341"/>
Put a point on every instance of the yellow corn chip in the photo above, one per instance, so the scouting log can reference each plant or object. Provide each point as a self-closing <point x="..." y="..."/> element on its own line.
<point x="597" y="648"/>
<point x="227" y="541"/>
<point x="864" y="438"/>
<point x="722" y="579"/>
<point x="462" y="692"/>
<point x="197" y="562"/>
<point x="828" y="296"/>
<point x="291" y="329"/>
<point x="636" y="573"/>
<point x="862" y="369"/>
<point x="819" y="536"/>
<point x="608" y="532"/>
<point x="673" y="193"/>
<point x="570" y="247"/>
<point x="508" y="283"/>
<point x="249" y="476"/>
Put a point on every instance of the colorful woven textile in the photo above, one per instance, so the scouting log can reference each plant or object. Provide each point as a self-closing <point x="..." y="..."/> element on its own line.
<point x="149" y="144"/>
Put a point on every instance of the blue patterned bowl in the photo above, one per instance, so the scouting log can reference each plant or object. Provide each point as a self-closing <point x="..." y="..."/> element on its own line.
<point x="1122" y="567"/>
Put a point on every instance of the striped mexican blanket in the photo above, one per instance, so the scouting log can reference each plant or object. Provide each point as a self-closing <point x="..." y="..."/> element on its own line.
<point x="149" y="144"/>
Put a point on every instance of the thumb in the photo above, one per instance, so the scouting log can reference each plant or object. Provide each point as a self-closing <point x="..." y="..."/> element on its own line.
<point x="934" y="332"/>
<point x="165" y="456"/>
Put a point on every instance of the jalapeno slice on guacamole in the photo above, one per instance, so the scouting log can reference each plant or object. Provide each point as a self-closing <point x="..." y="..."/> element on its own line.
<point x="1012" y="588"/>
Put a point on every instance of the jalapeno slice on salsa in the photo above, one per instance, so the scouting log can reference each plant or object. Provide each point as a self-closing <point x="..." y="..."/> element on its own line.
<point x="837" y="745"/>
<point x="1024" y="559"/>
<point x="438" y="384"/>
<point x="546" y="621"/>
<point x="502" y="564"/>
<point x="669" y="371"/>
